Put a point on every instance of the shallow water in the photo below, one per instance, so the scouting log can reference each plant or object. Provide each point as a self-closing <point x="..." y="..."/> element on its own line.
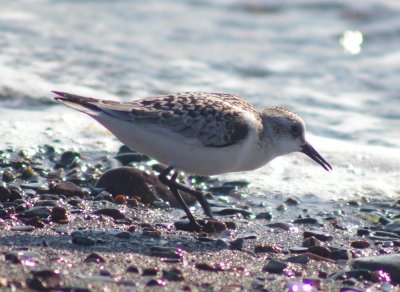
<point x="336" y="63"/>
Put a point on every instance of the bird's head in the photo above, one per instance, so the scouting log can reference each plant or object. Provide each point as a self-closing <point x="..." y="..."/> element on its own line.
<point x="287" y="133"/>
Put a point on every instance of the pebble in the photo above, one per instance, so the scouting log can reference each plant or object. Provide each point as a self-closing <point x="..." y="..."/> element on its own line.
<point x="311" y="241"/>
<point x="279" y="225"/>
<point x="361" y="244"/>
<point x="291" y="202"/>
<point x="83" y="240"/>
<point x="110" y="212"/>
<point x="103" y="196"/>
<point x="94" y="258"/>
<point x="59" y="215"/>
<point x="298" y="259"/>
<point x="159" y="282"/>
<point x="232" y="211"/>
<point x="174" y="274"/>
<point x="265" y="248"/>
<point x="363" y="232"/>
<point x="22" y="228"/>
<point x="322" y="236"/>
<point x="68" y="189"/>
<point x="5" y="194"/>
<point x="306" y="220"/>
<point x="264" y="215"/>
<point x="132" y="269"/>
<point x="167" y="252"/>
<point x="150" y="271"/>
<point x="320" y="250"/>
<point x="388" y="263"/>
<point x="44" y="280"/>
<point x="274" y="266"/>
<point x="41" y="212"/>
<point x="237" y="244"/>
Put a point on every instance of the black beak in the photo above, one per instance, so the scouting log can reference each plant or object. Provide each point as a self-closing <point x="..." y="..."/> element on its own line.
<point x="308" y="150"/>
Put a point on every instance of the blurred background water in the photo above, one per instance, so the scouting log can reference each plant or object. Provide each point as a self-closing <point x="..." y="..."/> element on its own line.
<point x="336" y="63"/>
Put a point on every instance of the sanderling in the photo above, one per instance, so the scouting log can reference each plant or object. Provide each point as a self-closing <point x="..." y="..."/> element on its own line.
<point x="200" y="133"/>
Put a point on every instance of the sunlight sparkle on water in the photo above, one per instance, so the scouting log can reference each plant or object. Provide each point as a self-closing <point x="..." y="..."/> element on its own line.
<point x="351" y="41"/>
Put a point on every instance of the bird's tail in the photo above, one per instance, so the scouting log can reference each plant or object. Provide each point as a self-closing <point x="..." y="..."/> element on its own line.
<point x="80" y="103"/>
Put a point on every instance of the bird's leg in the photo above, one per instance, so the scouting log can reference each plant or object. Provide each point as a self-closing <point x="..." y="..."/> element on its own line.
<point x="197" y="194"/>
<point x="170" y="183"/>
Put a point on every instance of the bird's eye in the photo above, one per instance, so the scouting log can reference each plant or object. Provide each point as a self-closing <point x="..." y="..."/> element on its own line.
<point x="295" y="130"/>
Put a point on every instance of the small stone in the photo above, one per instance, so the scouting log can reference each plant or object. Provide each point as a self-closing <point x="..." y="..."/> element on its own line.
<point x="120" y="200"/>
<point x="291" y="202"/>
<point x="340" y="254"/>
<point x="318" y="234"/>
<point x="298" y="249"/>
<point x="41" y="212"/>
<point x="206" y="267"/>
<point x="311" y="241"/>
<point x="35" y="222"/>
<point x="267" y="249"/>
<point x="5" y="194"/>
<point x="151" y="233"/>
<point x="363" y="232"/>
<point x="230" y="225"/>
<point x="279" y="225"/>
<point x="388" y="263"/>
<point x="82" y="240"/>
<point x="264" y="215"/>
<point x="94" y="258"/>
<point x="132" y="269"/>
<point x="306" y="220"/>
<point x="214" y="226"/>
<point x="298" y="259"/>
<point x="67" y="189"/>
<point x="320" y="250"/>
<point x="159" y="282"/>
<point x="110" y="212"/>
<point x="59" y="215"/>
<point x="237" y="244"/>
<point x="150" y="271"/>
<point x="123" y="234"/>
<point x="166" y="252"/>
<point x="360" y="244"/>
<point x="106" y="196"/>
<point x="173" y="275"/>
<point x="232" y="211"/>
<point x="8" y="176"/>
<point x="274" y="266"/>
<point x="47" y="203"/>
<point x="44" y="280"/>
<point x="22" y="228"/>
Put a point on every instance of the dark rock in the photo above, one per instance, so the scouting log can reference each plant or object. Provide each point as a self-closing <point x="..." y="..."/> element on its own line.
<point x="360" y="244"/>
<point x="69" y="159"/>
<point x="214" y="226"/>
<point x="387" y="234"/>
<point x="123" y="234"/>
<point x="318" y="234"/>
<point x="237" y="244"/>
<point x="237" y="184"/>
<point x="264" y="215"/>
<point x="166" y="252"/>
<point x="83" y="240"/>
<point x="298" y="259"/>
<point x="298" y="249"/>
<point x="265" y="248"/>
<point x="103" y="196"/>
<point x="279" y="225"/>
<point x="320" y="250"/>
<point x="173" y="275"/>
<point x="120" y="200"/>
<point x="360" y="274"/>
<point x="291" y="202"/>
<point x="5" y="193"/>
<point x="15" y="193"/>
<point x="233" y="211"/>
<point x="340" y="254"/>
<point x="68" y="189"/>
<point x="306" y="220"/>
<point x="46" y="203"/>
<point x="159" y="282"/>
<point x="59" y="215"/>
<point x="8" y="176"/>
<point x="132" y="182"/>
<point x="35" y="222"/>
<point x="22" y="228"/>
<point x="110" y="212"/>
<point x="41" y="212"/>
<point x="274" y="266"/>
<point x="388" y="263"/>
<point x="363" y="232"/>
<point x="132" y="269"/>
<point x="44" y="280"/>
<point x="94" y="258"/>
<point x="222" y="190"/>
<point x="129" y="157"/>
<point x="311" y="241"/>
<point x="150" y="271"/>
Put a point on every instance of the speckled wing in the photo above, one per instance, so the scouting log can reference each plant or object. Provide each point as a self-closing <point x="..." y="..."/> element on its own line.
<point x="215" y="120"/>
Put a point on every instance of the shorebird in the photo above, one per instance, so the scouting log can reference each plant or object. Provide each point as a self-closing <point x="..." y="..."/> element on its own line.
<point x="200" y="133"/>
